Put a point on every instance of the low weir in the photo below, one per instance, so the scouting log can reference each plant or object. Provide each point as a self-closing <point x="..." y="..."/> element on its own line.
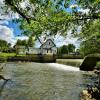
<point x="63" y="67"/>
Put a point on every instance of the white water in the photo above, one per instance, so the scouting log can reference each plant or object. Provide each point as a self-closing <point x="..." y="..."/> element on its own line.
<point x="63" y="67"/>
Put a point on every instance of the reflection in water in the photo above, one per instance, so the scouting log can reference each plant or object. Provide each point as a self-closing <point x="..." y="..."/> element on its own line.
<point x="2" y="86"/>
<point x="2" y="65"/>
<point x="36" y="81"/>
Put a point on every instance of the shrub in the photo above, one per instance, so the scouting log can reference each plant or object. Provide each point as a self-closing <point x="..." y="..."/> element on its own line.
<point x="98" y="65"/>
<point x="66" y="56"/>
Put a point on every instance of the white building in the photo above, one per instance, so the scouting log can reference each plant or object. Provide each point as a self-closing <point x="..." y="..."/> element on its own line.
<point x="48" y="47"/>
<point x="21" y="49"/>
<point x="32" y="50"/>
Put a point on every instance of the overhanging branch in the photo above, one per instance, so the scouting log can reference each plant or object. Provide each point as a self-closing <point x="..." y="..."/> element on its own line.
<point x="28" y="18"/>
<point x="86" y="18"/>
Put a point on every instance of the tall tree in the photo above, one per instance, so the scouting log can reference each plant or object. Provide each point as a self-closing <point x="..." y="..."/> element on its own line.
<point x="90" y="37"/>
<point x="40" y="15"/>
<point x="21" y="43"/>
<point x="30" y="42"/>
<point x="4" y="46"/>
<point x="71" y="48"/>
<point x="63" y="50"/>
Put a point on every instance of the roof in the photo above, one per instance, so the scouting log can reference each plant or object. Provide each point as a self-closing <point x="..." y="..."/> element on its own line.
<point x="46" y="42"/>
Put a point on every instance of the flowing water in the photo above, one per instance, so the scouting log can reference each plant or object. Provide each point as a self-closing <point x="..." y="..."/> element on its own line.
<point x="42" y="81"/>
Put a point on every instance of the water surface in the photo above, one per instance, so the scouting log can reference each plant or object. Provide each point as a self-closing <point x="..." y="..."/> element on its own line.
<point x="42" y="81"/>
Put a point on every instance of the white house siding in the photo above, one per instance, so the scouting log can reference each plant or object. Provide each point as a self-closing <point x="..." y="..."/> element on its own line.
<point x="54" y="49"/>
<point x="44" y="51"/>
<point x="22" y="50"/>
<point x="48" y="47"/>
<point x="34" y="51"/>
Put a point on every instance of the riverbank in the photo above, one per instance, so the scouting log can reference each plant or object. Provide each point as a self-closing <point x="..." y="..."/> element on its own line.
<point x="27" y="58"/>
<point x="64" y="59"/>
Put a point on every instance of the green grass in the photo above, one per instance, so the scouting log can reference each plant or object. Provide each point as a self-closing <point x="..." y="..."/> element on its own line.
<point x="98" y="65"/>
<point x="24" y="57"/>
<point x="71" y="62"/>
<point x="11" y="54"/>
<point x="7" y="54"/>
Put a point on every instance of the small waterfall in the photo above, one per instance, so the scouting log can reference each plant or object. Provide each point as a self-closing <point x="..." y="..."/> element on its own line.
<point x="63" y="67"/>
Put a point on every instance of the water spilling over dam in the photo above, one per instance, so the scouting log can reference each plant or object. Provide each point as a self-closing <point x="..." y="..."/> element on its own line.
<point x="63" y="67"/>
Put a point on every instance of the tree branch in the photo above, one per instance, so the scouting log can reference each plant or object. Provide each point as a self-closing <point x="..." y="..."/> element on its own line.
<point x="22" y="14"/>
<point x="87" y="17"/>
<point x="17" y="10"/>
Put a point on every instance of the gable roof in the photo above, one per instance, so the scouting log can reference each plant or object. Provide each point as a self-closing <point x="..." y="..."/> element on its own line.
<point x="46" y="42"/>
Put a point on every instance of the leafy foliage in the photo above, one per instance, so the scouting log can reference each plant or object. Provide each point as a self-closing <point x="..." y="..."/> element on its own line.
<point x="91" y="38"/>
<point x="4" y="46"/>
<point x="30" y="42"/>
<point x="21" y="43"/>
<point x="66" y="49"/>
<point x="26" y="43"/>
<point x="41" y="15"/>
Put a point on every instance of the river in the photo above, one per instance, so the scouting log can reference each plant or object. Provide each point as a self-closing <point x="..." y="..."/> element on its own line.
<point x="42" y="81"/>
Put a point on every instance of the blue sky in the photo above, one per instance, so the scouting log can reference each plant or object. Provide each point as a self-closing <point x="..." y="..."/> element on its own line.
<point x="10" y="31"/>
<point x="15" y="26"/>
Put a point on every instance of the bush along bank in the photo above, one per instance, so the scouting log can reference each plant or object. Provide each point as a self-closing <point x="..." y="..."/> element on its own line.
<point x="41" y="58"/>
<point x="66" y="56"/>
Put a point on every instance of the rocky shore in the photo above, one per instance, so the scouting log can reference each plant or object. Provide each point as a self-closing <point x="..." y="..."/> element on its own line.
<point x="92" y="92"/>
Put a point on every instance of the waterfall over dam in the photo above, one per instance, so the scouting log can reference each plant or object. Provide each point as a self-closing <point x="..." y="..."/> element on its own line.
<point x="63" y="67"/>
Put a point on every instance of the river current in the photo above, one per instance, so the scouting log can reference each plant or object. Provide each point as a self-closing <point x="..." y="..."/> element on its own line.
<point x="42" y="81"/>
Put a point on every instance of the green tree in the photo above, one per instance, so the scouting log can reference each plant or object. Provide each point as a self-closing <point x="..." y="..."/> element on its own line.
<point x="41" y="15"/>
<point x="21" y="43"/>
<point x="90" y="38"/>
<point x="18" y="44"/>
<point x="4" y="46"/>
<point x="30" y="42"/>
<point x="63" y="50"/>
<point x="71" y="48"/>
<point x="90" y="46"/>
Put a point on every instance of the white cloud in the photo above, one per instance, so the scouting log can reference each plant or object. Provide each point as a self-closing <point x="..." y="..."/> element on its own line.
<point x="9" y="16"/>
<point x="60" y="40"/>
<point x="84" y="11"/>
<point x="24" y="4"/>
<point x="21" y="38"/>
<point x="1" y="1"/>
<point x="4" y="22"/>
<point x="6" y="16"/>
<point x="73" y="6"/>
<point x="7" y="34"/>
<point x="65" y="41"/>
